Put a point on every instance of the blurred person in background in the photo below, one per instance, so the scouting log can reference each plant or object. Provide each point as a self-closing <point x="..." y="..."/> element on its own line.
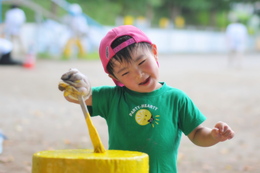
<point x="236" y="35"/>
<point x="14" y="20"/>
<point x="6" y="48"/>
<point x="78" y="27"/>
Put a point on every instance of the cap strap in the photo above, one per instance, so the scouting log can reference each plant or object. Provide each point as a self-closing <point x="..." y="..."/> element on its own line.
<point x="123" y="45"/>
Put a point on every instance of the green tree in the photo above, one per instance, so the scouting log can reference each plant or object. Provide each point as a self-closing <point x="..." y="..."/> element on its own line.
<point x="196" y="12"/>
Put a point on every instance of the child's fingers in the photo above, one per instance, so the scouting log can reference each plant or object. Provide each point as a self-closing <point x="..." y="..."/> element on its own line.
<point x="220" y="126"/>
<point x="68" y="75"/>
<point x="223" y="127"/>
<point x="62" y="86"/>
<point x="228" y="133"/>
<point x="215" y="133"/>
<point x="222" y="131"/>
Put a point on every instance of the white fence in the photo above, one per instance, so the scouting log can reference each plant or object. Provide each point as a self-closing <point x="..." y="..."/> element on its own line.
<point x="51" y="36"/>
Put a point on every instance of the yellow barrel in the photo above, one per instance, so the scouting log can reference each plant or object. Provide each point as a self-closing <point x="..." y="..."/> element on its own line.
<point x="86" y="161"/>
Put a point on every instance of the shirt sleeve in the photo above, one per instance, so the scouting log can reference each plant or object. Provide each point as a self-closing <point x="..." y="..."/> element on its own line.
<point x="190" y="116"/>
<point x="103" y="99"/>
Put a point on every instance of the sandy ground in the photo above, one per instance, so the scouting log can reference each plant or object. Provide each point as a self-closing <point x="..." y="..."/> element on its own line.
<point x="35" y="116"/>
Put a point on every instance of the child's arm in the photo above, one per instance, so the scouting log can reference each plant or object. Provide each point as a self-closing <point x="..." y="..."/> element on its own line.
<point x="205" y="137"/>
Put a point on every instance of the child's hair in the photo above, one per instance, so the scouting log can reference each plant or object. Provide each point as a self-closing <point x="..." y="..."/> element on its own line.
<point x="124" y="55"/>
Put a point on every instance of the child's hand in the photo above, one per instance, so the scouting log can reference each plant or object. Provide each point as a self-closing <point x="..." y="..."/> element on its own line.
<point x="75" y="84"/>
<point x="222" y="132"/>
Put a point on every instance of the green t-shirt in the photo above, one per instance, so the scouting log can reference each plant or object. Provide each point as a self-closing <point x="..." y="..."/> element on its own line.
<point x="147" y="122"/>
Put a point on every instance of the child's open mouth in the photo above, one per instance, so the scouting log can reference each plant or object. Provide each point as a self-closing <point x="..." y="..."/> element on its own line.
<point x="145" y="82"/>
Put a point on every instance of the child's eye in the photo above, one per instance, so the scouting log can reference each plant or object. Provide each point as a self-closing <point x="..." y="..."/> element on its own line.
<point x="141" y="62"/>
<point x="125" y="73"/>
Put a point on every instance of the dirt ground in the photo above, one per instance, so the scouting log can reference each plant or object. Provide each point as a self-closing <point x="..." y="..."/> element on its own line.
<point x="35" y="116"/>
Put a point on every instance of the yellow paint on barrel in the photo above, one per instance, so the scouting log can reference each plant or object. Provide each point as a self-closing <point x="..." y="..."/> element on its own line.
<point x="84" y="160"/>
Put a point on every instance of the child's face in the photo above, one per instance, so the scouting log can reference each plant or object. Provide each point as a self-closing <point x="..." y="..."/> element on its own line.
<point x="141" y="74"/>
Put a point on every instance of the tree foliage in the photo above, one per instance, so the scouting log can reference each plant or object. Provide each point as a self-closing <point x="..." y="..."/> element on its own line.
<point x="195" y="12"/>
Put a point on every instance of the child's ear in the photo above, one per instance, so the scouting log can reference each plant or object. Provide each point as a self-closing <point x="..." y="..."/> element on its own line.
<point x="154" y="50"/>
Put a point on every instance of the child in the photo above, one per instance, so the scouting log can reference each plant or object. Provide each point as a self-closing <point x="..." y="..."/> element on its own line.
<point x="142" y="113"/>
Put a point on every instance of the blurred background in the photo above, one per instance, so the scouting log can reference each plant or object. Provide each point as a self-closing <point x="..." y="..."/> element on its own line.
<point x="194" y="40"/>
<point x="190" y="26"/>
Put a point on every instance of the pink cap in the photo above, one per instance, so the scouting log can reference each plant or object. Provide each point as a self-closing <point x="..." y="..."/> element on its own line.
<point x="105" y="50"/>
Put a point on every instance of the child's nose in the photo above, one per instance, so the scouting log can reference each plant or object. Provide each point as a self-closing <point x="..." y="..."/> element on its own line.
<point x="139" y="73"/>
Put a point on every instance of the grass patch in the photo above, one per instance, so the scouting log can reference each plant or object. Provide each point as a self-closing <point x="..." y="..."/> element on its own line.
<point x="92" y="55"/>
<point x="89" y="56"/>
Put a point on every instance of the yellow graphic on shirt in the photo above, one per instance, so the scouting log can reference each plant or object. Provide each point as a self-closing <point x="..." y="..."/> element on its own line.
<point x="144" y="117"/>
